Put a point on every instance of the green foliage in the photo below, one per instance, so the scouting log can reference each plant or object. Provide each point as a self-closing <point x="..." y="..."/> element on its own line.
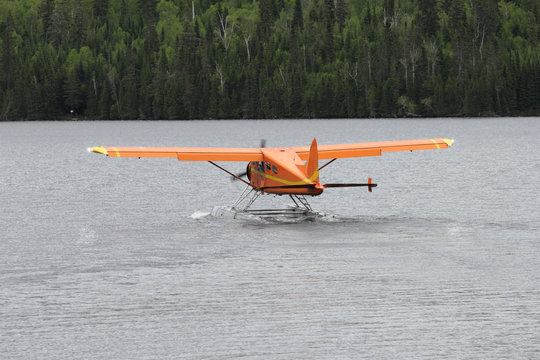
<point x="170" y="59"/>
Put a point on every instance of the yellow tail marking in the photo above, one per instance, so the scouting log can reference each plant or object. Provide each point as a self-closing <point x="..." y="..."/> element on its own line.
<point x="287" y="182"/>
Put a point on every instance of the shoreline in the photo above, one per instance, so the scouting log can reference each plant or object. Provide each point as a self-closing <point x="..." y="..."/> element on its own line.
<point x="481" y="116"/>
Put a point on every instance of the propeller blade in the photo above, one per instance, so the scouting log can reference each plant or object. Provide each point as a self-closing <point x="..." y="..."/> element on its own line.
<point x="239" y="175"/>
<point x="263" y="143"/>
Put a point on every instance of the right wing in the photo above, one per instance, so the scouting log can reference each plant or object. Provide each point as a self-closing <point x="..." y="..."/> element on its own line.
<point x="183" y="153"/>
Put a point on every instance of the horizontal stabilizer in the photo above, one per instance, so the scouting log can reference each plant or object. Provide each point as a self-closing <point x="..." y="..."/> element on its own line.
<point x="347" y="185"/>
<point x="369" y="184"/>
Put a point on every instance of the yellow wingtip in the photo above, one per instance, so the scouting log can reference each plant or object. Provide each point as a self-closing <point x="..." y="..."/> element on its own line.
<point x="448" y="142"/>
<point x="99" y="150"/>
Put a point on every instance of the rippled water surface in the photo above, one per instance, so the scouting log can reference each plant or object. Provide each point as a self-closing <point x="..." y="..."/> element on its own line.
<point x="104" y="258"/>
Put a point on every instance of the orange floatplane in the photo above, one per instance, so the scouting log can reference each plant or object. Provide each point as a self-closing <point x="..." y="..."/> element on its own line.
<point x="292" y="171"/>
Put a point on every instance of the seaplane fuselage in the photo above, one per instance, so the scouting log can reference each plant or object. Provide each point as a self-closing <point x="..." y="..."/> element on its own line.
<point x="282" y="171"/>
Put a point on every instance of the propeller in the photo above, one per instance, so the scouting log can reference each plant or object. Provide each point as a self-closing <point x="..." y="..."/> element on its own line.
<point x="244" y="173"/>
<point x="240" y="175"/>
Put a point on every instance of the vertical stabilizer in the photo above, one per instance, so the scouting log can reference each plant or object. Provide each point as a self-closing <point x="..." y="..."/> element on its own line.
<point x="312" y="164"/>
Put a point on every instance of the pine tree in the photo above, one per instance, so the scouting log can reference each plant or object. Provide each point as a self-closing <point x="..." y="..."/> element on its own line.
<point x="78" y="25"/>
<point x="8" y="53"/>
<point x="267" y="13"/>
<point x="72" y="93"/>
<point x="46" y="10"/>
<point x="342" y="13"/>
<point x="105" y="101"/>
<point x="298" y="17"/>
<point x="60" y="28"/>
<point x="101" y="7"/>
<point x="427" y="18"/>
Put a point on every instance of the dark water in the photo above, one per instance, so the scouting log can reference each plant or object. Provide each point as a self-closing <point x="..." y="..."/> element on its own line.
<point x="105" y="258"/>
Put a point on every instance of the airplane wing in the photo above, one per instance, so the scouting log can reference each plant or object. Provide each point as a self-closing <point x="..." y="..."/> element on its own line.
<point x="183" y="153"/>
<point x="255" y="154"/>
<point x="372" y="148"/>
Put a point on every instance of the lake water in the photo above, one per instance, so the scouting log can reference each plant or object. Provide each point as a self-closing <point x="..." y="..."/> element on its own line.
<point x="104" y="258"/>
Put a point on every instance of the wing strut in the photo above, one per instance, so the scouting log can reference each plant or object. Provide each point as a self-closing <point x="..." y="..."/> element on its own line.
<point x="328" y="163"/>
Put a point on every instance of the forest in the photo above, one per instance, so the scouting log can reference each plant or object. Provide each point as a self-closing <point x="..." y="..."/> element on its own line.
<point x="210" y="59"/>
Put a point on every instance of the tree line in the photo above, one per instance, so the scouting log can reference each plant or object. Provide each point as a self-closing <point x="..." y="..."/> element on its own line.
<point x="199" y="59"/>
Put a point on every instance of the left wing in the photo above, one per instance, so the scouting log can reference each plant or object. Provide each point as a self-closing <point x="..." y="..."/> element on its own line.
<point x="183" y="153"/>
<point x="372" y="148"/>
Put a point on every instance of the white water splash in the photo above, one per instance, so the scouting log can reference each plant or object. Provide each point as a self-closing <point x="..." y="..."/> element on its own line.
<point x="199" y="215"/>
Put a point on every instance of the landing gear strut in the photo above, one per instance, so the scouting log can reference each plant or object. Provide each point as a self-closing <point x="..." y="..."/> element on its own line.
<point x="241" y="208"/>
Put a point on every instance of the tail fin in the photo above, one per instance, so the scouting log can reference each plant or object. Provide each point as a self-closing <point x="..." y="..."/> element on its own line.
<point x="312" y="165"/>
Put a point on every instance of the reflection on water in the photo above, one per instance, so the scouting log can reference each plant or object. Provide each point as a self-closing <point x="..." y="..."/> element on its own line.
<point x="118" y="258"/>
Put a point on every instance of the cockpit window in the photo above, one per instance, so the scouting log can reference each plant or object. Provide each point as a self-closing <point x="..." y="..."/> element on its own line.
<point x="274" y="169"/>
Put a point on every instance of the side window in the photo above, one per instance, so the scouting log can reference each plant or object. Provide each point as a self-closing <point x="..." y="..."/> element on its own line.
<point x="274" y="169"/>
<point x="261" y="167"/>
<point x="267" y="165"/>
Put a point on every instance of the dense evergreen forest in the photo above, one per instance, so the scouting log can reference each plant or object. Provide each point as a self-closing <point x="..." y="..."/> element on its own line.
<point x="183" y="59"/>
